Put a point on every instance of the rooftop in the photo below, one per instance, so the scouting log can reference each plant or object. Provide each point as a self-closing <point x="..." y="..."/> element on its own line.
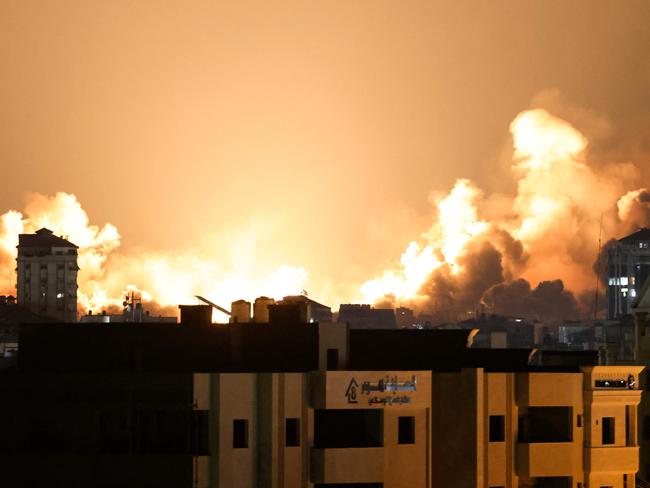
<point x="44" y="238"/>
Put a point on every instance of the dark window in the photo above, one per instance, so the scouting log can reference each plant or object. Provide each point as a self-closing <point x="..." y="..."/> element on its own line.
<point x="545" y="424"/>
<point x="332" y="359"/>
<point x="200" y="429"/>
<point x="292" y="432"/>
<point x="497" y="428"/>
<point x="579" y="420"/>
<point x="240" y="433"/>
<point x="406" y="430"/>
<point x="348" y="428"/>
<point x="608" y="430"/>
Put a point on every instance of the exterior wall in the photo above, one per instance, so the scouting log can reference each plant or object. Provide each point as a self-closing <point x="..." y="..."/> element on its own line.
<point x="457" y="405"/>
<point x="47" y="284"/>
<point x="499" y="455"/>
<point x="395" y="465"/>
<point x="451" y="412"/>
<point x="608" y="464"/>
<point x="233" y="396"/>
<point x="332" y="335"/>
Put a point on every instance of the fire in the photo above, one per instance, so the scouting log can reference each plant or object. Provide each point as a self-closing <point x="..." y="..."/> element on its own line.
<point x="457" y="223"/>
<point x="107" y="275"/>
<point x="547" y="230"/>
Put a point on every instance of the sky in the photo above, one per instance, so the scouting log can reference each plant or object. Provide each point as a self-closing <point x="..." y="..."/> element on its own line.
<point x="307" y="134"/>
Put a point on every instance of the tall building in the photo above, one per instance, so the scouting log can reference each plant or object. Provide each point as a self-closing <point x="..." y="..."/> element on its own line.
<point x="47" y="275"/>
<point x="628" y="267"/>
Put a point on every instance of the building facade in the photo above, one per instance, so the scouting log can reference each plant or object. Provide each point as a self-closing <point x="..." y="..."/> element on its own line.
<point x="300" y="405"/>
<point x="394" y="429"/>
<point x="47" y="275"/>
<point x="628" y="267"/>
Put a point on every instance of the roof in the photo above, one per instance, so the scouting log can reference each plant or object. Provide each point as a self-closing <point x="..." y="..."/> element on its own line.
<point x="643" y="234"/>
<point x="43" y="238"/>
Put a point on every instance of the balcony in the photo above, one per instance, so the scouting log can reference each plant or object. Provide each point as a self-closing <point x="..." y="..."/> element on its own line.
<point x="620" y="459"/>
<point x="347" y="465"/>
<point x="546" y="459"/>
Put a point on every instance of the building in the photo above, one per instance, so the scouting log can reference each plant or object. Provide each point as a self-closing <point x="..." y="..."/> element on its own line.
<point x="11" y="316"/>
<point x="285" y="404"/>
<point x="47" y="275"/>
<point x="641" y="311"/>
<point x="363" y="316"/>
<point x="628" y="267"/>
<point x="317" y="311"/>
<point x="497" y="331"/>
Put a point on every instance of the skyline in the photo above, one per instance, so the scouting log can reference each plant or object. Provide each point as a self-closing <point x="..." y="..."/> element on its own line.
<point x="312" y="137"/>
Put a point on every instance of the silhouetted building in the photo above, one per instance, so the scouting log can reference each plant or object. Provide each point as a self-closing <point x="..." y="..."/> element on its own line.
<point x="363" y="316"/>
<point x="628" y="267"/>
<point x="11" y="316"/>
<point x="497" y="331"/>
<point x="301" y="405"/>
<point x="405" y="318"/>
<point x="317" y="312"/>
<point x="47" y="275"/>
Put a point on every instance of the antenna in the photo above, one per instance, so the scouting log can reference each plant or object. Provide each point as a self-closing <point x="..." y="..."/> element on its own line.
<point x="600" y="234"/>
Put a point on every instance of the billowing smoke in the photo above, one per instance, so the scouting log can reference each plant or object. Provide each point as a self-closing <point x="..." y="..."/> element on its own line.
<point x="106" y="275"/>
<point x="528" y="254"/>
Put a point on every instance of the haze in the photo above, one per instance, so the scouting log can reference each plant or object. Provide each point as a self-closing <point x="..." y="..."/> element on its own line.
<point x="313" y="133"/>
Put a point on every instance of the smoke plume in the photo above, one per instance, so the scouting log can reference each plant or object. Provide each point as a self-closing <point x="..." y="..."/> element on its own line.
<point x="107" y="275"/>
<point x="527" y="254"/>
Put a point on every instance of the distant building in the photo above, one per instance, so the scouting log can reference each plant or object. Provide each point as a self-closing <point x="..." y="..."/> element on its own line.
<point x="47" y="275"/>
<point x="363" y="316"/>
<point x="498" y="332"/>
<point x="405" y="318"/>
<point x="628" y="267"/>
<point x="133" y="312"/>
<point x="317" y="311"/>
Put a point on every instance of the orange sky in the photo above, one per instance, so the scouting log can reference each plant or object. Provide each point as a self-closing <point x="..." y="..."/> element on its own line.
<point x="321" y="128"/>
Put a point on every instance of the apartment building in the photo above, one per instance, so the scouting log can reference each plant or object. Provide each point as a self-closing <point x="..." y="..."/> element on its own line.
<point x="284" y="405"/>
<point x="47" y="275"/>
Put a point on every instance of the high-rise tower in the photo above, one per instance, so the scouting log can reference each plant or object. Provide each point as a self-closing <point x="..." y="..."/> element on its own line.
<point x="47" y="275"/>
<point x="628" y="262"/>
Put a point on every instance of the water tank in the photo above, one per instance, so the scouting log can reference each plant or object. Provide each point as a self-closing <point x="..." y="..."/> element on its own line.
<point x="261" y="309"/>
<point x="240" y="311"/>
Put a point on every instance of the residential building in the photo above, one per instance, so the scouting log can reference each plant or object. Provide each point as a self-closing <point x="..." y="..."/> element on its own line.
<point x="628" y="267"/>
<point x="363" y="316"/>
<point x="47" y="275"/>
<point x="303" y="405"/>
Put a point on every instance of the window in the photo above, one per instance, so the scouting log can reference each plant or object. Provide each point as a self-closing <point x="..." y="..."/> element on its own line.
<point x="292" y="432"/>
<point x="497" y="428"/>
<point x="240" y="433"/>
<point x="339" y="428"/>
<point x="545" y="424"/>
<point x="406" y="430"/>
<point x="332" y="359"/>
<point x="199" y="441"/>
<point x="608" y="427"/>
<point x="579" y="420"/>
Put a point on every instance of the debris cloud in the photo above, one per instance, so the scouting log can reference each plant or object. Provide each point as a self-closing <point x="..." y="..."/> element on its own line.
<point x="527" y="254"/>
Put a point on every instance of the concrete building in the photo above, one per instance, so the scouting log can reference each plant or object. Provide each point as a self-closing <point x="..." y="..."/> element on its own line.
<point x="47" y="275"/>
<point x="363" y="316"/>
<point x="299" y="405"/>
<point x="317" y="312"/>
<point x="628" y="267"/>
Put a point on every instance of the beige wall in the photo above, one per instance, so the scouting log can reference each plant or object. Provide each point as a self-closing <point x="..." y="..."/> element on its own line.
<point x="451" y="412"/>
